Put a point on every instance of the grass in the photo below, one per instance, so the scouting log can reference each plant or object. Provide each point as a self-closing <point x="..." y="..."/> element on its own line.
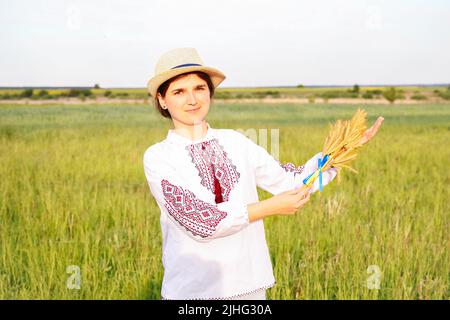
<point x="73" y="192"/>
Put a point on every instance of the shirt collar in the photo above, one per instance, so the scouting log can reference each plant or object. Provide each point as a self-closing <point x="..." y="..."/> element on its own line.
<point x="176" y="138"/>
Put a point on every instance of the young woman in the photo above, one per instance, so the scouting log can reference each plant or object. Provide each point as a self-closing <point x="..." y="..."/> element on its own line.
<point x="205" y="181"/>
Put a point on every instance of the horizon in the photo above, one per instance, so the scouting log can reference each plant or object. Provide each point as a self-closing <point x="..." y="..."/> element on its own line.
<point x="238" y="87"/>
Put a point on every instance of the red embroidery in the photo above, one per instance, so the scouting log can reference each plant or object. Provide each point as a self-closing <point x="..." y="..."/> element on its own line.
<point x="199" y="217"/>
<point x="216" y="170"/>
<point x="290" y="167"/>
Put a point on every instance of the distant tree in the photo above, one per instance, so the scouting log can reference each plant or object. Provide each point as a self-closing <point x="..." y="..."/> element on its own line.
<point x="355" y="88"/>
<point x="43" y="93"/>
<point x="27" y="93"/>
<point x="300" y="86"/>
<point x="391" y="94"/>
<point x="96" y="86"/>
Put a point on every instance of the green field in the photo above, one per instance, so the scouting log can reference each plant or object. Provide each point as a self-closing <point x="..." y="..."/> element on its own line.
<point x="73" y="192"/>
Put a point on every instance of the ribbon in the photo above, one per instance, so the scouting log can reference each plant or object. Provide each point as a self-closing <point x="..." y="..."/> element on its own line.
<point x="320" y="163"/>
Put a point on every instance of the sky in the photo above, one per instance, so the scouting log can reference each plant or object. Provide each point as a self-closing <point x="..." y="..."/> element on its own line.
<point x="253" y="42"/>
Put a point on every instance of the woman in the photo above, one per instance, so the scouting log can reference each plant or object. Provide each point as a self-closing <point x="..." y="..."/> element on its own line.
<point x="205" y="183"/>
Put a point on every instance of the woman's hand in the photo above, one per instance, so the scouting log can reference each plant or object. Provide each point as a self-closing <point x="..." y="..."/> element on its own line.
<point x="372" y="131"/>
<point x="287" y="203"/>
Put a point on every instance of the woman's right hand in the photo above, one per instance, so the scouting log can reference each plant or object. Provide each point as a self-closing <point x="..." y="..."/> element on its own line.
<point x="285" y="203"/>
<point x="288" y="202"/>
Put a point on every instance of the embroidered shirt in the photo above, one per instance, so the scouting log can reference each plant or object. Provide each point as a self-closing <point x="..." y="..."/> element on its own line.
<point x="203" y="187"/>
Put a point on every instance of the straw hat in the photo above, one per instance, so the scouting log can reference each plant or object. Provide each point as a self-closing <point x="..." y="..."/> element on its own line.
<point x="179" y="61"/>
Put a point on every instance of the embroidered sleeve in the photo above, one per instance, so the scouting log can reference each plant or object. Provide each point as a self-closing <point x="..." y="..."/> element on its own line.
<point x="275" y="177"/>
<point x="198" y="219"/>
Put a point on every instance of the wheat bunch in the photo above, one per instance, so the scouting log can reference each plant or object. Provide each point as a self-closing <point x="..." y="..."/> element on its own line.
<point x="342" y="143"/>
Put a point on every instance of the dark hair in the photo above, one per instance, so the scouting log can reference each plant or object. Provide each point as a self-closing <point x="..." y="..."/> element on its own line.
<point x="162" y="89"/>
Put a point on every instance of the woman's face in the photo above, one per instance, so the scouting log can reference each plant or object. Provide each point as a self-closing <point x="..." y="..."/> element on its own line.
<point x="187" y="100"/>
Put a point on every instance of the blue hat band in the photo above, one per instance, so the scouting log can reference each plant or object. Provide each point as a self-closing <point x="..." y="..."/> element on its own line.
<point x="186" y="65"/>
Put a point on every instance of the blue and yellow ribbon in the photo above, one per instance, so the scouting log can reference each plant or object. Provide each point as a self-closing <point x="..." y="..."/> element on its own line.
<point x="313" y="176"/>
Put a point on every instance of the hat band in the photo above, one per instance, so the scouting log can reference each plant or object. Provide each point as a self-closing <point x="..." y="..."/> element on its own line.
<point x="186" y="65"/>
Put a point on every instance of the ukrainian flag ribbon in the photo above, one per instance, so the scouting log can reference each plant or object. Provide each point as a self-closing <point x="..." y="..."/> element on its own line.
<point x="312" y="177"/>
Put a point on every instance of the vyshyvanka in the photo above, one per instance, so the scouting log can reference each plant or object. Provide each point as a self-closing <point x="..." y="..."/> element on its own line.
<point x="203" y="187"/>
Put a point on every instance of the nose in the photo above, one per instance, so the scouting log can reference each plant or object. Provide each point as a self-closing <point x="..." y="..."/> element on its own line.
<point x="191" y="99"/>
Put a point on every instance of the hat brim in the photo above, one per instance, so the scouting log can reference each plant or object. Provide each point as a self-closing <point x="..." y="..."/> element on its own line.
<point x="153" y="84"/>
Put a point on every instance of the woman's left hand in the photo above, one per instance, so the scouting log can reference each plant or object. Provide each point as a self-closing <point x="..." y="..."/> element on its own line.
<point x="371" y="132"/>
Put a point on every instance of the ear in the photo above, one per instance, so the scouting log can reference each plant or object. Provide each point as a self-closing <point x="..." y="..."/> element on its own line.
<point x="161" y="99"/>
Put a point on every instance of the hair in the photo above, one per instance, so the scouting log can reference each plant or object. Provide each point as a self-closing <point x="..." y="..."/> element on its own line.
<point x="162" y="89"/>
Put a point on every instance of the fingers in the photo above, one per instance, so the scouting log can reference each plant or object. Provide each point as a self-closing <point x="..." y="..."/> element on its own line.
<point x="303" y="201"/>
<point x="375" y="127"/>
<point x="297" y="190"/>
<point x="378" y="123"/>
<point x="303" y="195"/>
<point x="371" y="132"/>
<point x="302" y="190"/>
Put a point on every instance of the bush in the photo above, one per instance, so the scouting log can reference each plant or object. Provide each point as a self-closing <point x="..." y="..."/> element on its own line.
<point x="367" y="95"/>
<point x="391" y="94"/>
<point x="444" y="94"/>
<point x="339" y="94"/>
<point x="6" y="96"/>
<point x="264" y="94"/>
<point x="107" y="93"/>
<point x="43" y="94"/>
<point x="222" y="95"/>
<point x="375" y="92"/>
<point x="330" y="95"/>
<point x="79" y="93"/>
<point x="27" y="93"/>
<point x="419" y="96"/>
<point x="244" y="96"/>
<point x="274" y="94"/>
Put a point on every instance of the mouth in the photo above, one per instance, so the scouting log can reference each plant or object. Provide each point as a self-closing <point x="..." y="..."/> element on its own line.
<point x="193" y="110"/>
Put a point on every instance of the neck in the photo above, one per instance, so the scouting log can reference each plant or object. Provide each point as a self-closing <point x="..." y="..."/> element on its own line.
<point x="192" y="132"/>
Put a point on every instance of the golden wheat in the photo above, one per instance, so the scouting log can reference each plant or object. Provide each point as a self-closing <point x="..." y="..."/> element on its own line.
<point x="342" y="143"/>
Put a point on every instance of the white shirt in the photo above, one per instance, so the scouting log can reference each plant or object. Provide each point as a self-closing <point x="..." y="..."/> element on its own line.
<point x="210" y="250"/>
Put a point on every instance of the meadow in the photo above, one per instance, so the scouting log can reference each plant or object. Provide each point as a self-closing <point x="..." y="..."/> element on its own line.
<point x="73" y="193"/>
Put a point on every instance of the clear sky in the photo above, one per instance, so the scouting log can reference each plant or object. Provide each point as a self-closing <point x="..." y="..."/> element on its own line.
<point x="254" y="42"/>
